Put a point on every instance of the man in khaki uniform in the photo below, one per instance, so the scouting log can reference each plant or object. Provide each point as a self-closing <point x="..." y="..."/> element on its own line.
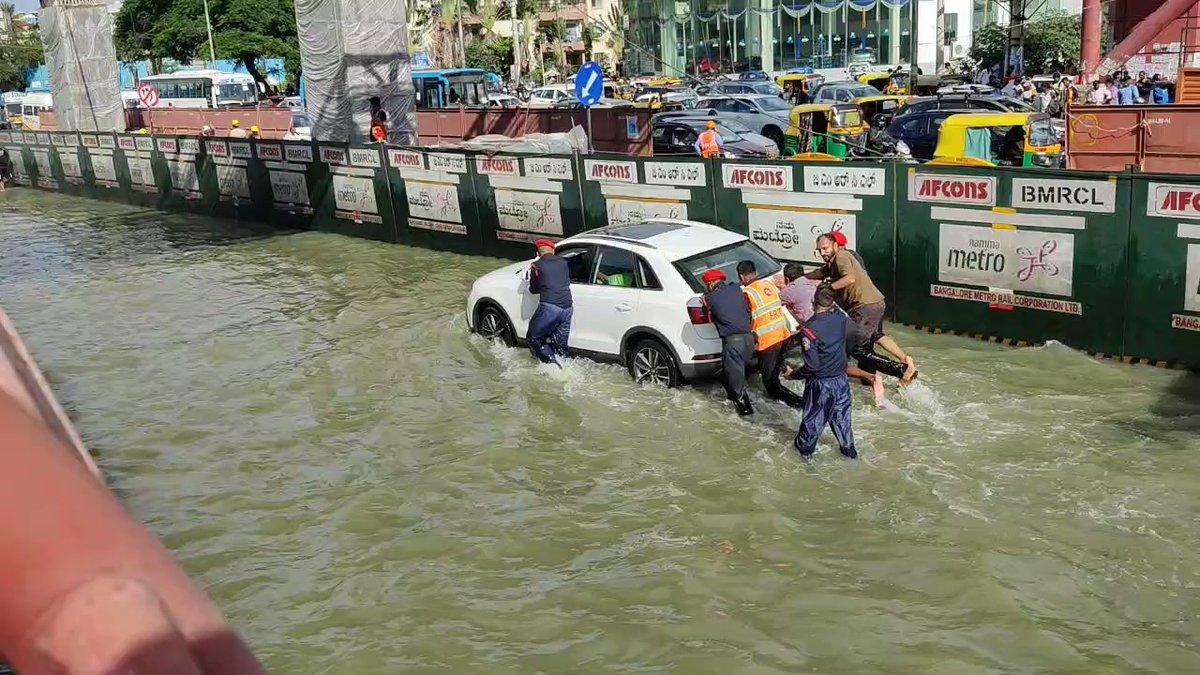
<point x="862" y="301"/>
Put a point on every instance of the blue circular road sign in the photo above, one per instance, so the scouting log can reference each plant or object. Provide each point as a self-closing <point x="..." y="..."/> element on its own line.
<point x="589" y="84"/>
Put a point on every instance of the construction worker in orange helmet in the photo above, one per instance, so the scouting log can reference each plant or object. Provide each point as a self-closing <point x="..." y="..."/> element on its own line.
<point x="709" y="143"/>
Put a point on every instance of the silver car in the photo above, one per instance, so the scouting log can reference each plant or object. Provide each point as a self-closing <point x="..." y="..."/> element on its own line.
<point x="764" y="113"/>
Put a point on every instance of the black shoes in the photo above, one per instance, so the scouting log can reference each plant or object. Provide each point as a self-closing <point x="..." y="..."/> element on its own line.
<point x="743" y="406"/>
<point x="849" y="454"/>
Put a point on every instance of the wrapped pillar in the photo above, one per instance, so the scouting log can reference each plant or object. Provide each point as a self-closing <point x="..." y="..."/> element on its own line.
<point x="355" y="59"/>
<point x="77" y="36"/>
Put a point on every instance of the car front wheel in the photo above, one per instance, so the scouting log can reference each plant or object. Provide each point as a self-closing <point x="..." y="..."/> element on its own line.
<point x="650" y="362"/>
<point x="493" y="325"/>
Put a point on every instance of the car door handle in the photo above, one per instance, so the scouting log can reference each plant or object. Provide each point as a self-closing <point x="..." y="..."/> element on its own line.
<point x="624" y="307"/>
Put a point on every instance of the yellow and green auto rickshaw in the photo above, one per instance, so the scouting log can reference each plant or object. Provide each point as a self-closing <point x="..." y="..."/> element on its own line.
<point x="831" y="128"/>
<point x="790" y="82"/>
<point x="991" y="139"/>
<point x="883" y="107"/>
<point x="664" y="82"/>
<point x="901" y="83"/>
<point x="876" y="78"/>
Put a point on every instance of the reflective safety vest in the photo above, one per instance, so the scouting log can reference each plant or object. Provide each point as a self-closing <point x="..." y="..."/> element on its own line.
<point x="708" y="144"/>
<point x="767" y="319"/>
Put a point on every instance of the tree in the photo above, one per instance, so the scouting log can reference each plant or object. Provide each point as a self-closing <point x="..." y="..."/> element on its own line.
<point x="18" y="54"/>
<point x="616" y="31"/>
<point x="494" y="55"/>
<point x="1053" y="37"/>
<point x="248" y="30"/>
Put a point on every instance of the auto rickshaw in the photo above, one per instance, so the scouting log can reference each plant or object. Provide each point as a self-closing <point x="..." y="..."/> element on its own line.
<point x="879" y="108"/>
<point x="831" y="128"/>
<point x="901" y="84"/>
<point x="664" y="82"/>
<point x="789" y="81"/>
<point x="990" y="139"/>
<point x="876" y="78"/>
<point x="622" y="91"/>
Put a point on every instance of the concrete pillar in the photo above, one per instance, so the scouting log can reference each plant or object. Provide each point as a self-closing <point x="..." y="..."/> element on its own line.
<point x="673" y="64"/>
<point x="353" y="52"/>
<point x="1090" y="38"/>
<point x="766" y="32"/>
<point x="85" y="82"/>
<point x="894" y="35"/>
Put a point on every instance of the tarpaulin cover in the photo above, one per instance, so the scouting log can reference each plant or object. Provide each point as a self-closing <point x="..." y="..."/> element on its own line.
<point x="84" y="80"/>
<point x="352" y="51"/>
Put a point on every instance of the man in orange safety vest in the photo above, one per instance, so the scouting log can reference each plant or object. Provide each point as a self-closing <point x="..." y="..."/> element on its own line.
<point x="709" y="142"/>
<point x="771" y="333"/>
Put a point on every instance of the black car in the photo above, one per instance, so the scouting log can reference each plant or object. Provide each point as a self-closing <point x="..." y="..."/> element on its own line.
<point x="961" y="102"/>
<point x="919" y="130"/>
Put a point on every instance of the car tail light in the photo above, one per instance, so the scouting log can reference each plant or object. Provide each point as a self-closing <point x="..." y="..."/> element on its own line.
<point x="699" y="314"/>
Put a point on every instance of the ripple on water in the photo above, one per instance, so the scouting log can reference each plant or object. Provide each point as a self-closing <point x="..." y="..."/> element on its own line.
<point x="363" y="487"/>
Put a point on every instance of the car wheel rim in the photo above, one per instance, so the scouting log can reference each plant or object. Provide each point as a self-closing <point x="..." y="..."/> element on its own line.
<point x="491" y="327"/>
<point x="649" y="365"/>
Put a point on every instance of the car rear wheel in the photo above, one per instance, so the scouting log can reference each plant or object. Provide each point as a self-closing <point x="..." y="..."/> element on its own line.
<point x="650" y="362"/>
<point x="493" y="325"/>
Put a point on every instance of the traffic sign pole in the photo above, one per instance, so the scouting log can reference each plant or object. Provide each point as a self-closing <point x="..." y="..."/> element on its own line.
<point x="589" y="88"/>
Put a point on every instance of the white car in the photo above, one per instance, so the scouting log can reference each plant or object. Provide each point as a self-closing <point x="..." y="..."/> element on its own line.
<point x="546" y="97"/>
<point x="503" y="101"/>
<point x="636" y="295"/>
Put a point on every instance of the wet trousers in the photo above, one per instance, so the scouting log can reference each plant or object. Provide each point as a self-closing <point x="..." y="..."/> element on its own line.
<point x="826" y="400"/>
<point x="770" y="362"/>
<point x="736" y="352"/>
<point x="549" y="330"/>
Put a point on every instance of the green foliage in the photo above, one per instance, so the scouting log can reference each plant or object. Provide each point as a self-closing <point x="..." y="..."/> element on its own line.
<point x="1054" y="36"/>
<point x="244" y="30"/>
<point x="493" y="55"/>
<point x="18" y="54"/>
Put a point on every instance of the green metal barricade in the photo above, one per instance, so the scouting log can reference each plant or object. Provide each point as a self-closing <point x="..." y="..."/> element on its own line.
<point x="351" y="193"/>
<point x="181" y="158"/>
<point x="226" y="173"/>
<point x="282" y="174"/>
<point x="617" y="189"/>
<point x="98" y="158"/>
<point x="65" y="162"/>
<point x="520" y="199"/>
<point x="14" y="143"/>
<point x="1018" y="254"/>
<point x="1163" y="306"/>
<point x="43" y="170"/>
<point x="433" y="194"/>
<point x="140" y="170"/>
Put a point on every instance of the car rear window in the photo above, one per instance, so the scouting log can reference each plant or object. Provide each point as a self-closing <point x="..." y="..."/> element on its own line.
<point x="725" y="259"/>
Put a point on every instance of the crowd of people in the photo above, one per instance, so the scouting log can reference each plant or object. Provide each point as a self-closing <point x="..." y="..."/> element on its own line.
<point x="1052" y="95"/>
<point x="1121" y="89"/>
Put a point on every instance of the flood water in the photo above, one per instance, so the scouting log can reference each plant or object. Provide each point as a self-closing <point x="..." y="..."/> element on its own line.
<point x="364" y="488"/>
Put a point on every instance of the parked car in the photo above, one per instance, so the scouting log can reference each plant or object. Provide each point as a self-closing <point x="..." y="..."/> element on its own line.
<point x="546" y="97"/>
<point x="840" y="92"/>
<point x="604" y="103"/>
<point x="768" y="115"/>
<point x="919" y="130"/>
<point x="676" y="135"/>
<point x="989" y="102"/>
<point x="503" y="101"/>
<point x="654" y="324"/>
<point x="750" y="87"/>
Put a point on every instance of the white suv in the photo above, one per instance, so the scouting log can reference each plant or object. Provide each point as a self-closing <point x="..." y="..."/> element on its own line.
<point x="636" y="292"/>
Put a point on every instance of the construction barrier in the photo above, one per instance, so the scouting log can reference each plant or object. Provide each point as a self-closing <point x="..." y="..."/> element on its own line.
<point x="1105" y="262"/>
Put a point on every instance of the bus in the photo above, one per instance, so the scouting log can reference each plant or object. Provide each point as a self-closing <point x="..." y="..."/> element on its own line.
<point x="11" y="114"/>
<point x="450" y="88"/>
<point x="203" y="89"/>
<point x="31" y="105"/>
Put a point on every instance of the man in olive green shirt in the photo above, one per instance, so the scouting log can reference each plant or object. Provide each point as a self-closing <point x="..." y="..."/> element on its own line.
<point x="861" y="299"/>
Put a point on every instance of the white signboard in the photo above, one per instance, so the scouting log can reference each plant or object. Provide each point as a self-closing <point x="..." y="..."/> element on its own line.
<point x="755" y="177"/>
<point x="434" y="201"/>
<point x="529" y="211"/>
<point x="405" y="159"/>
<point x="42" y="158"/>
<point x="269" y="151"/>
<point x="298" y="153"/>
<point x="675" y="173"/>
<point x="104" y="170"/>
<point x="944" y="188"/>
<point x="848" y="180"/>
<point x="792" y="235"/>
<point x="232" y="181"/>
<point x="183" y="176"/>
<point x="628" y="211"/>
<point x="497" y="166"/>
<point x="610" y="172"/>
<point x="1167" y="200"/>
<point x="450" y="163"/>
<point x="1016" y="260"/>
<point x="70" y="166"/>
<point x="240" y="150"/>
<point x="1191" y="281"/>
<point x="1095" y="196"/>
<point x="289" y="187"/>
<point x="553" y="168"/>
<point x="140" y="172"/>
<point x="365" y="157"/>
<point x="354" y="194"/>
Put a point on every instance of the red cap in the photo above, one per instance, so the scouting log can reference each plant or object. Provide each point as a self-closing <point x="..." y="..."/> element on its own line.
<point x="838" y="237"/>
<point x="543" y="243"/>
<point x="712" y="275"/>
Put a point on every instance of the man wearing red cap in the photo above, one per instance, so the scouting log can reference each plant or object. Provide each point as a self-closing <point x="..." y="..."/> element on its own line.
<point x="550" y="326"/>
<point x="730" y="311"/>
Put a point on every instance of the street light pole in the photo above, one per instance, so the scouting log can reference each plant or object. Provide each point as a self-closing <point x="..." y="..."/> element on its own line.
<point x="212" y="52"/>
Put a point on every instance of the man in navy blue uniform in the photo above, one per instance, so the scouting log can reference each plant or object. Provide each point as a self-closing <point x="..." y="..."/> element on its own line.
<point x="730" y="311"/>
<point x="550" y="326"/>
<point x="826" y="389"/>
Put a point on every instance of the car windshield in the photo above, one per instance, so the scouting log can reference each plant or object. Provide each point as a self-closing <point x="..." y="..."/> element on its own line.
<point x="862" y="90"/>
<point x="1041" y="133"/>
<point x="773" y="104"/>
<point x="725" y="259"/>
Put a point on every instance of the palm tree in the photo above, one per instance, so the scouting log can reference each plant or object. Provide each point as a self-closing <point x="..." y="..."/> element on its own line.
<point x="616" y="31"/>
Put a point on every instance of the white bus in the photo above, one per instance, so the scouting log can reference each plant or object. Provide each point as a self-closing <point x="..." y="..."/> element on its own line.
<point x="203" y="89"/>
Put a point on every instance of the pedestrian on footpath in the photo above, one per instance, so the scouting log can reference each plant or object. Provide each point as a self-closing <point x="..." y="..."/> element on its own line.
<point x="826" y="390"/>
<point x="771" y="333"/>
<point x="550" y="326"/>
<point x="730" y="312"/>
